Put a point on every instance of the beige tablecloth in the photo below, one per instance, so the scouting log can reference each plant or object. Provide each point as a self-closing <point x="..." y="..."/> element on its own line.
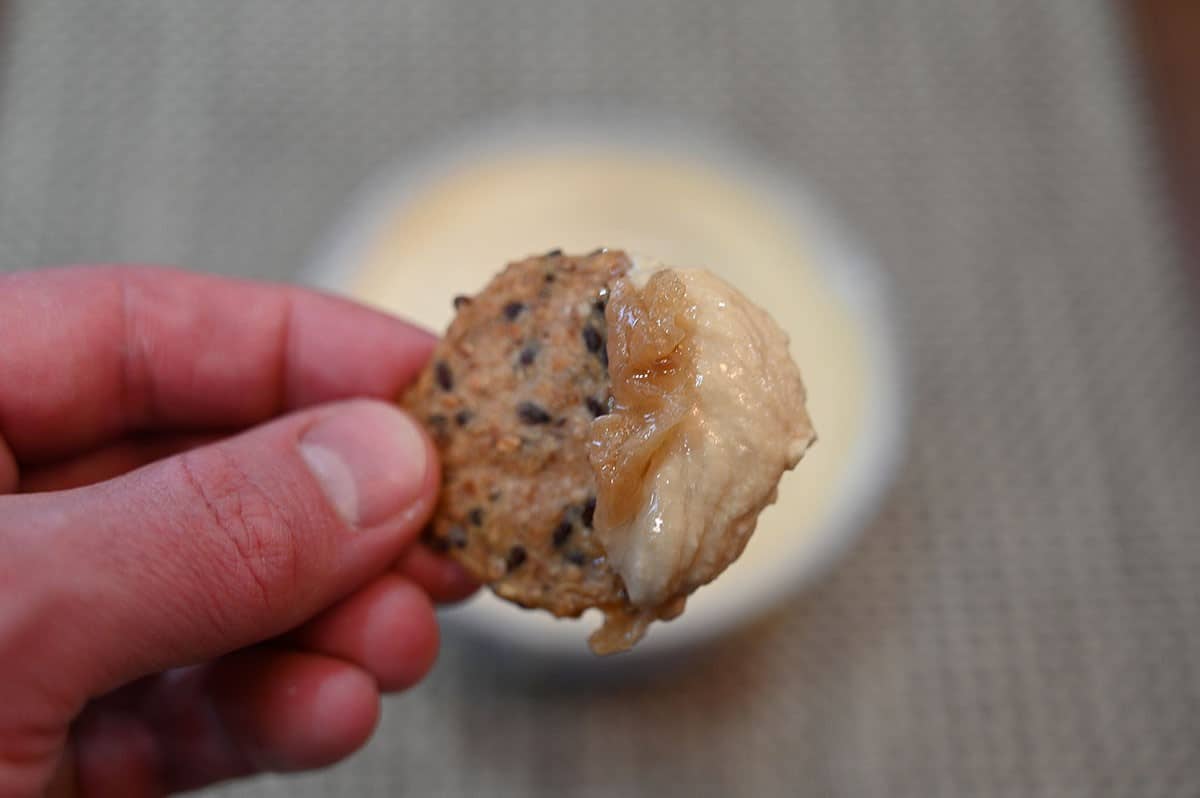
<point x="1024" y="618"/>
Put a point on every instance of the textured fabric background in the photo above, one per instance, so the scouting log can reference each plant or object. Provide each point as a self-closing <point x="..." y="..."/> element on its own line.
<point x="1024" y="618"/>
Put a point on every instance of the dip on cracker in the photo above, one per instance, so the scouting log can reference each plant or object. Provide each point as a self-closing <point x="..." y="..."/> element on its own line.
<point x="609" y="433"/>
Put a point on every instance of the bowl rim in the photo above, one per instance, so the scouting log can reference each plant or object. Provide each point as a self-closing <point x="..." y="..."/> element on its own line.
<point x="837" y="255"/>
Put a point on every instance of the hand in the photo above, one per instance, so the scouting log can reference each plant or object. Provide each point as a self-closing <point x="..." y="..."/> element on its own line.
<point x="196" y="576"/>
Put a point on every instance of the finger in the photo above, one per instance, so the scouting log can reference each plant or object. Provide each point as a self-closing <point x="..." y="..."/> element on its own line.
<point x="107" y="462"/>
<point x="115" y="753"/>
<point x="388" y="628"/>
<point x="442" y="578"/>
<point x="93" y="352"/>
<point x="294" y="710"/>
<point x="262" y="709"/>
<point x="217" y="548"/>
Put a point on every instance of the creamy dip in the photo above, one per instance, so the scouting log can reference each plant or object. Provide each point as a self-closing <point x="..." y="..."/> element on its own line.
<point x="457" y="231"/>
<point x="708" y="413"/>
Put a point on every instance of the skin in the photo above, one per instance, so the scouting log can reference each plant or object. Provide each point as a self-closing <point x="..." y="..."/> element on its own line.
<point x="181" y="600"/>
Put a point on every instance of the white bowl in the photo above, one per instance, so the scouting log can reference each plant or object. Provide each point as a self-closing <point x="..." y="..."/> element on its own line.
<point x="797" y="556"/>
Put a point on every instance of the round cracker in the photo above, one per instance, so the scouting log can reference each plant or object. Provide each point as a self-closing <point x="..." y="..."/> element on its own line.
<point x="509" y="396"/>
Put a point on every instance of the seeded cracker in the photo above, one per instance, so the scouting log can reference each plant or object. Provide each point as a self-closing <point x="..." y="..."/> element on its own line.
<point x="508" y="396"/>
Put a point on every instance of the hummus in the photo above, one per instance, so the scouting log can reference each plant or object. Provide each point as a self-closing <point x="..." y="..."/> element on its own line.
<point x="708" y="412"/>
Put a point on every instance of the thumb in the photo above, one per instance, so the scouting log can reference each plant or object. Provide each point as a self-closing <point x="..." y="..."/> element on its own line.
<point x="216" y="548"/>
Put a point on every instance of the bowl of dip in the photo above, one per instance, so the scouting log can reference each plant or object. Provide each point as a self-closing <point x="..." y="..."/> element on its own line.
<point x="445" y="222"/>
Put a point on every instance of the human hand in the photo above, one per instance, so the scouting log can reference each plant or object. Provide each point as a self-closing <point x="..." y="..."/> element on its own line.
<point x="197" y="545"/>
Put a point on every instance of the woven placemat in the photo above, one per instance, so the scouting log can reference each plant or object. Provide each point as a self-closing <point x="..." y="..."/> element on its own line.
<point x="1024" y="618"/>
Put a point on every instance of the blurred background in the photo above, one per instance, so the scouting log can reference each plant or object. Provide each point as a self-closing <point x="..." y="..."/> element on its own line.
<point x="1023" y="617"/>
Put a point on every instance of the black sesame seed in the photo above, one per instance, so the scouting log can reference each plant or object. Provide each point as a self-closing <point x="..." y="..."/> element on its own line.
<point x="562" y="532"/>
<point x="438" y="422"/>
<point x="589" y="511"/>
<point x="457" y="537"/>
<point x="443" y="375"/>
<point x="533" y="413"/>
<point x="599" y="305"/>
<point x="597" y="251"/>
<point x="576" y="558"/>
<point x="516" y="556"/>
<point x="550" y="277"/>
<point x="554" y="253"/>
<point x="494" y="496"/>
<point x="475" y="515"/>
<point x="513" y="309"/>
<point x="595" y="406"/>
<point x="461" y="300"/>
<point x="603" y="355"/>
<point x="528" y="354"/>
<point x="463" y="417"/>
<point x="593" y="339"/>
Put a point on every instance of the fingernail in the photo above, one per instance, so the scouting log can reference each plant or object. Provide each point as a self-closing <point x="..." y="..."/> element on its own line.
<point x="370" y="460"/>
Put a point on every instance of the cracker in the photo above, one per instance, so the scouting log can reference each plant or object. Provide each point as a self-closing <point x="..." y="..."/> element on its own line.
<point x="509" y="396"/>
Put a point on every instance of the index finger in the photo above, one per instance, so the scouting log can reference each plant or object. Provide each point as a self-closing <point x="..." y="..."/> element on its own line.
<point x="89" y="353"/>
